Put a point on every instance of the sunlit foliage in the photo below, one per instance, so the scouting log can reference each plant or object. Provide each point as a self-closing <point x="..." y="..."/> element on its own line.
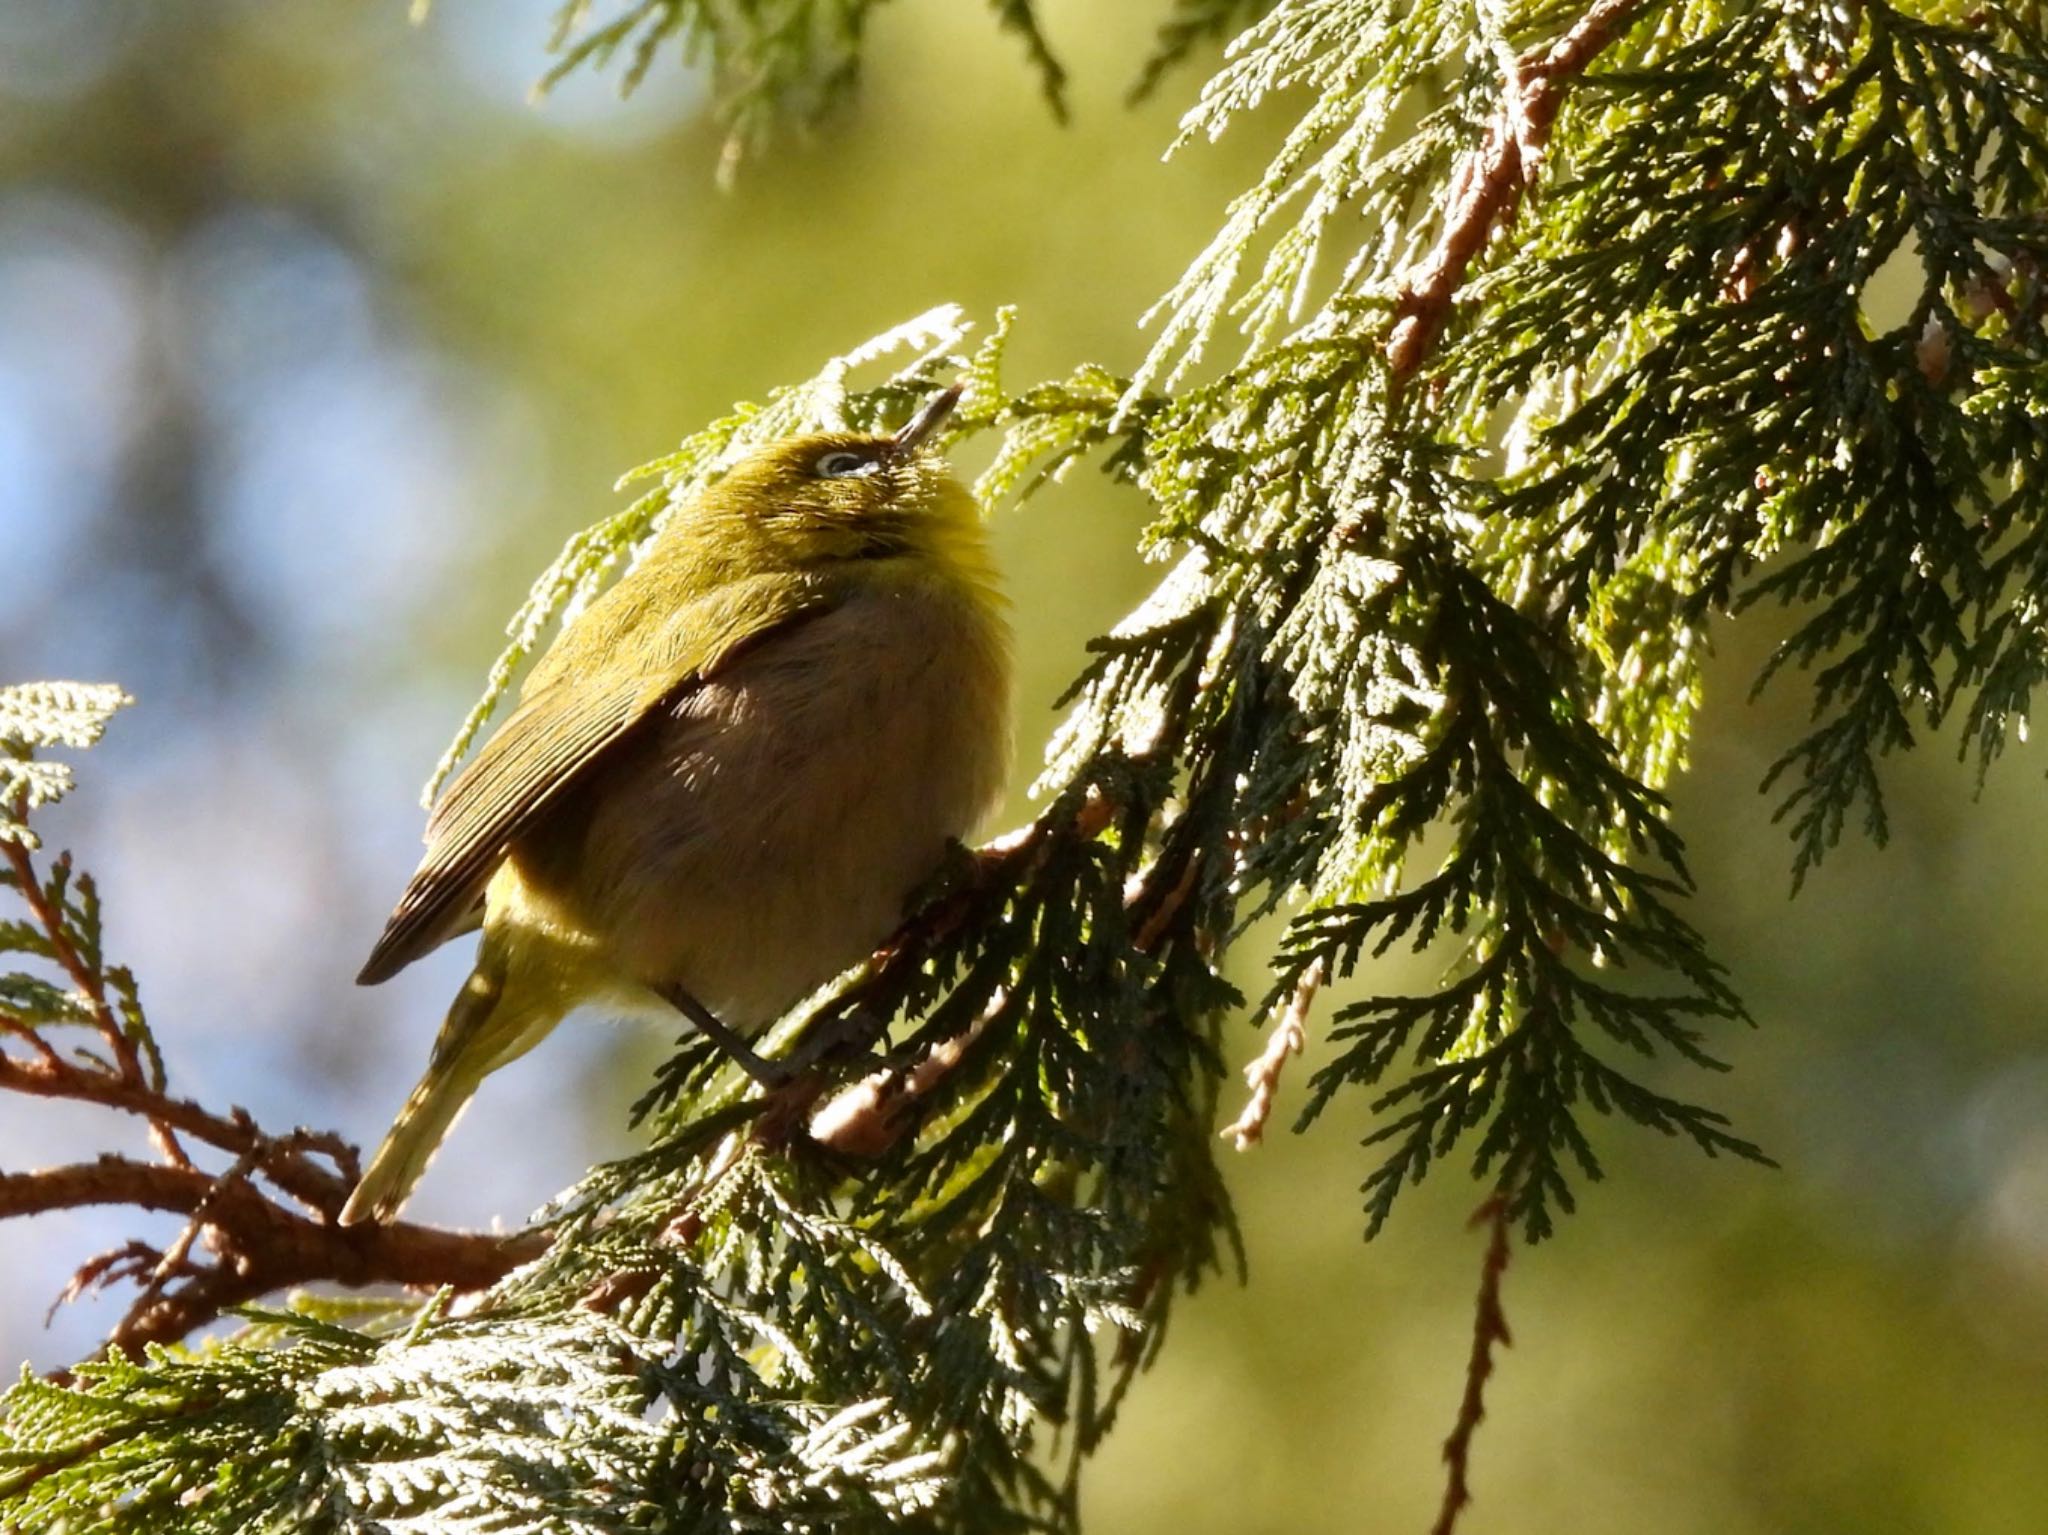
<point x="1555" y="336"/>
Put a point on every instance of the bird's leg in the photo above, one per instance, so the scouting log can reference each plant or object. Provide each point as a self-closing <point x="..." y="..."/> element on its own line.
<point x="859" y="1028"/>
<point x="770" y="1074"/>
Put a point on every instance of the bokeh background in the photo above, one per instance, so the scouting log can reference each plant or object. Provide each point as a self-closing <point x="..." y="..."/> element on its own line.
<point x="317" y="337"/>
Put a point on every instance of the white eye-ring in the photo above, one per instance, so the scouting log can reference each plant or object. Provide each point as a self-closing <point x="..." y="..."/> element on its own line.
<point x="843" y="465"/>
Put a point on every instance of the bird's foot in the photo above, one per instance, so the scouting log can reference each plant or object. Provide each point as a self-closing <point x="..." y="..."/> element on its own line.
<point x="847" y="1038"/>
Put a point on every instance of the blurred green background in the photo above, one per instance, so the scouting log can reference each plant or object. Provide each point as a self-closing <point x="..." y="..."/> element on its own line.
<point x="316" y="339"/>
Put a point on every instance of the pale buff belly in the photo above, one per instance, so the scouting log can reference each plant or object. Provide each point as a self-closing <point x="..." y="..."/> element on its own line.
<point x="767" y="833"/>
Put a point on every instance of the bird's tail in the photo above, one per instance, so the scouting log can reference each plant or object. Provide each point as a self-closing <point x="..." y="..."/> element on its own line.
<point x="485" y="1029"/>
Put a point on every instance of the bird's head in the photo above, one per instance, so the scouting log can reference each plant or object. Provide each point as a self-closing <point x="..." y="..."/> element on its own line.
<point x="831" y="497"/>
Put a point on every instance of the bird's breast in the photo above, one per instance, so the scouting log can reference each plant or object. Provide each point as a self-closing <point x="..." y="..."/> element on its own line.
<point x="764" y="833"/>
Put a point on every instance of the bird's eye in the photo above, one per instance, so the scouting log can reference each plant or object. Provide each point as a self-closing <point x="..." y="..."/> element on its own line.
<point x="842" y="464"/>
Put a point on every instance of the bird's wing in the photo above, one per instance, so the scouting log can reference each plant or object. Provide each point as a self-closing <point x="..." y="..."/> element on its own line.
<point x="560" y="729"/>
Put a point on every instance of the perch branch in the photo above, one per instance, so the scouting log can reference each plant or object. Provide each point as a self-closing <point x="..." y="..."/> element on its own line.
<point x="1485" y="194"/>
<point x="870" y="1116"/>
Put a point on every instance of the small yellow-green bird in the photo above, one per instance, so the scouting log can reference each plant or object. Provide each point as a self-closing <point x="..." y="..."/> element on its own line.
<point x="726" y="776"/>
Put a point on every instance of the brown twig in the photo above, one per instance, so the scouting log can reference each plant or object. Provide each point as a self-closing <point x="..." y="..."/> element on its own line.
<point x="42" y="1047"/>
<point x="1487" y="186"/>
<point x="285" y="1160"/>
<point x="1162" y="916"/>
<point x="89" y="980"/>
<point x="261" y="1245"/>
<point x="132" y="1260"/>
<point x="176" y="1260"/>
<point x="1288" y="1036"/>
<point x="257" y="1243"/>
<point x="1489" y="1328"/>
<point x="867" y="1118"/>
<point x="1485" y="194"/>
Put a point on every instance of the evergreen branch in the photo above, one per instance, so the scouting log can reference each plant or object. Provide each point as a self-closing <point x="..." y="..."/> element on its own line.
<point x="45" y="714"/>
<point x="769" y="60"/>
<point x="781" y="58"/>
<point x="1487" y="188"/>
<point x="44" y="901"/>
<point x="870" y="1117"/>
<point x="1191" y="24"/>
<point x="1716" y="243"/>
<point x="1387" y="633"/>
<point x="1021" y="17"/>
<point x="1489" y="1330"/>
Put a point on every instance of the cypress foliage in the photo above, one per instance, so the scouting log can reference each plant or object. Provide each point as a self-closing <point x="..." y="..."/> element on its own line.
<point x="1553" y="336"/>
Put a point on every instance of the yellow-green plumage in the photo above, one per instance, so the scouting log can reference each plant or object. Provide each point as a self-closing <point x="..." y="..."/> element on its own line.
<point x="726" y="775"/>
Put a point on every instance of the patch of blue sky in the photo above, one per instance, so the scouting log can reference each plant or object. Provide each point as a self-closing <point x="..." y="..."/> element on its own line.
<point x="53" y="50"/>
<point x="73" y="320"/>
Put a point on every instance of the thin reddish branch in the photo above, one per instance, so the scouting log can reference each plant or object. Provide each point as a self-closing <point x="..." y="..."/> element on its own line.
<point x="176" y="1261"/>
<point x="133" y="1261"/>
<point x="42" y="1047"/>
<point x="255" y="1243"/>
<point x="1486" y="193"/>
<point x="1489" y="1329"/>
<point x="285" y="1161"/>
<point x="1487" y="186"/>
<point x="1288" y="1036"/>
<point x="1163" y="916"/>
<point x="262" y="1246"/>
<point x="89" y="980"/>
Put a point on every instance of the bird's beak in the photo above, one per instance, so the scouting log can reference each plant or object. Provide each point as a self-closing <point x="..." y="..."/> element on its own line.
<point x="921" y="426"/>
